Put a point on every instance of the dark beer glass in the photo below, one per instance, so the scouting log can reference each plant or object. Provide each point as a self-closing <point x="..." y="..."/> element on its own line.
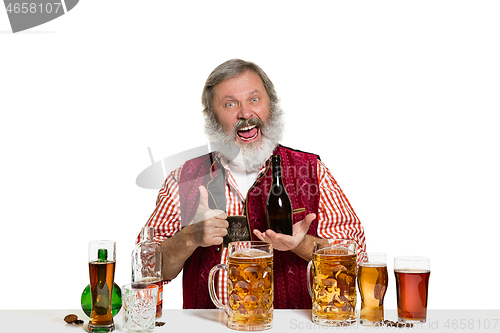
<point x="412" y="286"/>
<point x="102" y="258"/>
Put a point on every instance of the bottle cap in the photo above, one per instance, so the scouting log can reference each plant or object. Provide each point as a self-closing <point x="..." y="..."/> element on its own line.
<point x="102" y="254"/>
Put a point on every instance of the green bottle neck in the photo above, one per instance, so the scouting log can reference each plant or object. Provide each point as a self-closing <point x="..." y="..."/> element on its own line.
<point x="102" y="254"/>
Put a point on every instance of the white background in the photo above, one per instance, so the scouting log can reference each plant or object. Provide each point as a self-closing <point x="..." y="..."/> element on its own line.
<point x="400" y="99"/>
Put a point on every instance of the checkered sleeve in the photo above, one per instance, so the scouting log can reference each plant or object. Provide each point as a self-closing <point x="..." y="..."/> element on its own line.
<point x="166" y="218"/>
<point x="336" y="217"/>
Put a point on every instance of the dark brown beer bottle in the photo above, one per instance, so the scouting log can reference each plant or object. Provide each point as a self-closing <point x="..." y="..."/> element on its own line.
<point x="278" y="207"/>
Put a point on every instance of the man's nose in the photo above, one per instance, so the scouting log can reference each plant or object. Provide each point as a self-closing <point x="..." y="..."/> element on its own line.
<point x="245" y="112"/>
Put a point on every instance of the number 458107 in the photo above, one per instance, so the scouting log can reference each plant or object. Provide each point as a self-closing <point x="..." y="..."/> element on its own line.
<point x="33" y="8"/>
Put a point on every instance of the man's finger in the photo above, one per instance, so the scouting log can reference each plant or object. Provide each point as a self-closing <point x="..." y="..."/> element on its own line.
<point x="203" y="197"/>
<point x="221" y="215"/>
<point x="308" y="220"/>
<point x="216" y="214"/>
<point x="217" y="241"/>
<point x="220" y="223"/>
<point x="272" y="234"/>
<point x="259" y="234"/>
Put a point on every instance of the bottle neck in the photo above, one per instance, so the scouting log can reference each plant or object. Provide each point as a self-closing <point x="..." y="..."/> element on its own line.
<point x="148" y="234"/>
<point x="276" y="171"/>
<point x="102" y="255"/>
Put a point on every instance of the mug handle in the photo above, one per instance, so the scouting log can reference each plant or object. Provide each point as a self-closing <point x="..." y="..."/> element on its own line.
<point x="211" y="286"/>
<point x="309" y="266"/>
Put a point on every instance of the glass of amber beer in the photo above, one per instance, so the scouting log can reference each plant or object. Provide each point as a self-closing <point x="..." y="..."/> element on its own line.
<point x="333" y="289"/>
<point x="372" y="285"/>
<point x="412" y="282"/>
<point x="102" y="257"/>
<point x="250" y="286"/>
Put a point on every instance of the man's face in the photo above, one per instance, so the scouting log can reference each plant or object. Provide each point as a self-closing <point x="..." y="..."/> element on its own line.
<point x="241" y="105"/>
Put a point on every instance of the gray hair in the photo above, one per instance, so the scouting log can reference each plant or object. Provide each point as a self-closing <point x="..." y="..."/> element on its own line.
<point x="229" y="70"/>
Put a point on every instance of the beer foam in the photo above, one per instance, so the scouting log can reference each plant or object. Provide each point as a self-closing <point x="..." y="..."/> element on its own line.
<point x="372" y="264"/>
<point x="412" y="271"/>
<point x="250" y="253"/>
<point x="335" y="251"/>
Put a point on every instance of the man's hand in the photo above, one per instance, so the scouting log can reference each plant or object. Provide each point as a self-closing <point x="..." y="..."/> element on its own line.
<point x="209" y="226"/>
<point x="285" y="242"/>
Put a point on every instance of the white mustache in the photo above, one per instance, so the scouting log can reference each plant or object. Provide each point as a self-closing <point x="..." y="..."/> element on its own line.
<point x="247" y="123"/>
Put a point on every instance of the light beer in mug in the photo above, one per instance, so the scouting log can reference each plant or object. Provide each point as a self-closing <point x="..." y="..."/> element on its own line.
<point x="333" y="289"/>
<point x="250" y="286"/>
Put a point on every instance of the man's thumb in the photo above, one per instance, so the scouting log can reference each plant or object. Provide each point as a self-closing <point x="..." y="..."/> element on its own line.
<point x="308" y="220"/>
<point x="203" y="197"/>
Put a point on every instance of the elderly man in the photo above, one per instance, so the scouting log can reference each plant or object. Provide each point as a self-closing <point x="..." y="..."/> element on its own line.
<point x="241" y="107"/>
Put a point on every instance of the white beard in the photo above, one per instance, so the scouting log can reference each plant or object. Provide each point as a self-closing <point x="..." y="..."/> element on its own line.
<point x="249" y="157"/>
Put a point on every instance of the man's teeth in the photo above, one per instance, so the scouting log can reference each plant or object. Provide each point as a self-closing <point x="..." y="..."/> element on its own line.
<point x="247" y="128"/>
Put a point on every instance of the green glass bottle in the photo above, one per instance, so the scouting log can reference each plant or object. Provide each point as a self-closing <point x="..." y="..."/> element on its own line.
<point x="116" y="300"/>
<point x="116" y="297"/>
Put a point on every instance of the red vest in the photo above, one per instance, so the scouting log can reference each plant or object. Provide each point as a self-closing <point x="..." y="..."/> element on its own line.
<point x="299" y="172"/>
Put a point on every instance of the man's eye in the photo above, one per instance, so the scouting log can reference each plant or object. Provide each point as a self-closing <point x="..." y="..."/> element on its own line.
<point x="255" y="99"/>
<point x="229" y="104"/>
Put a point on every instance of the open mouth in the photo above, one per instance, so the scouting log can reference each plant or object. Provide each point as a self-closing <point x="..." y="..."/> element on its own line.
<point x="248" y="133"/>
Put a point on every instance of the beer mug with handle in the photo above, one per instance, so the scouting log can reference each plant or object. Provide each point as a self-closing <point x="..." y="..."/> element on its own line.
<point x="333" y="288"/>
<point x="249" y="286"/>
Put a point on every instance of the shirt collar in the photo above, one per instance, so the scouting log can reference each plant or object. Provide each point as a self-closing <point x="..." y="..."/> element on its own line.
<point x="225" y="163"/>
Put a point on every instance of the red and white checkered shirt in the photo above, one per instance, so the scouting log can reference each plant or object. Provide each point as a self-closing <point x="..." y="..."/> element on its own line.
<point x="336" y="218"/>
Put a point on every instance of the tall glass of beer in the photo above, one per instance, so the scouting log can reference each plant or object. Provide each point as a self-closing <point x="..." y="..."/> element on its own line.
<point x="102" y="257"/>
<point x="333" y="289"/>
<point x="250" y="286"/>
<point x="412" y="282"/>
<point x="372" y="285"/>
